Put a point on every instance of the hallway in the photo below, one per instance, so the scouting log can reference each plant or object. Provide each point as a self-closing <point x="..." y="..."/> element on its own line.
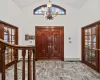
<point x="58" y="70"/>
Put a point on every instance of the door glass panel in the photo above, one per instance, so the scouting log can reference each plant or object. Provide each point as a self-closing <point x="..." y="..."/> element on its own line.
<point x="88" y="55"/>
<point x="93" y="30"/>
<point x="86" y="44"/>
<point x="9" y="36"/>
<point x="88" y="32"/>
<point x="6" y="37"/>
<point x="90" y="45"/>
<point x="93" y="46"/>
<point x="93" y="38"/>
<point x="13" y="32"/>
<point x="13" y="38"/>
<point x="93" y="57"/>
<point x="9" y="31"/>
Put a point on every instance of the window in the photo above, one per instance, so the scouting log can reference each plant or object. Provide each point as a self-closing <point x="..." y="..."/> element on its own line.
<point x="37" y="11"/>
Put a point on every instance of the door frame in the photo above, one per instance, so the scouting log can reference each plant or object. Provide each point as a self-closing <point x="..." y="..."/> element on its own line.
<point x="62" y="27"/>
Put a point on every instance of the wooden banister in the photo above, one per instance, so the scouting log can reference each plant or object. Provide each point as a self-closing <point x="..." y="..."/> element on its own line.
<point x="31" y="49"/>
<point x="16" y="46"/>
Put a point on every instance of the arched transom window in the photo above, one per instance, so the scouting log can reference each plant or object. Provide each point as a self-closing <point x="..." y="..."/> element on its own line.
<point x="37" y="11"/>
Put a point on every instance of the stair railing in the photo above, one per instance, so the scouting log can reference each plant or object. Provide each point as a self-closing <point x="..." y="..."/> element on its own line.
<point x="24" y="49"/>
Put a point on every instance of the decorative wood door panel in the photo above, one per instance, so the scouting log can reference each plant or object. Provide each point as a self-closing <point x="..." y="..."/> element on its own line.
<point x="42" y="44"/>
<point x="49" y="43"/>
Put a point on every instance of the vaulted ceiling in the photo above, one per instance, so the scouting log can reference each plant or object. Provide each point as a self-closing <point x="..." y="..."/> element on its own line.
<point x="73" y="3"/>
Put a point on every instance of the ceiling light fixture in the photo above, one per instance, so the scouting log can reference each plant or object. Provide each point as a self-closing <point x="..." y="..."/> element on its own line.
<point x="49" y="14"/>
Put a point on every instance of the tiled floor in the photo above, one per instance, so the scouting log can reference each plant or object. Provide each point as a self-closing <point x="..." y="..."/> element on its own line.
<point x="58" y="70"/>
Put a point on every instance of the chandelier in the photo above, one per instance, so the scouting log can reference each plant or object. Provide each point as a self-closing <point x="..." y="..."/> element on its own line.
<point x="49" y="14"/>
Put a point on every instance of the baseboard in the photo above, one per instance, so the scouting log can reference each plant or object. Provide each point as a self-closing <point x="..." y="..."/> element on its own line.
<point x="72" y="59"/>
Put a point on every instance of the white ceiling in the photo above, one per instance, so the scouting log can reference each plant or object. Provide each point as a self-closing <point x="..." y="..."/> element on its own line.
<point x="73" y="3"/>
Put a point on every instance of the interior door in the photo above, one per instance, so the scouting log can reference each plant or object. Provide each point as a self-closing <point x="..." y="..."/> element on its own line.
<point x="55" y="43"/>
<point x="49" y="43"/>
<point x="42" y="44"/>
<point x="90" y="49"/>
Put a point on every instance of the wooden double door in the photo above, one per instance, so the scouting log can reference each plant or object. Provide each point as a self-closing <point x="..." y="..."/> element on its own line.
<point x="91" y="45"/>
<point x="49" y="43"/>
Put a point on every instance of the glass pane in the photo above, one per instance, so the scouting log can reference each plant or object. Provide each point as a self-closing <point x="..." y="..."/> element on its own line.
<point x="9" y="38"/>
<point x="93" y="45"/>
<point x="93" y="30"/>
<point x="86" y="44"/>
<point x="89" y="46"/>
<point x="94" y="38"/>
<point x="53" y="9"/>
<point x="93" y="57"/>
<point x="88" y="55"/>
<point x="9" y="51"/>
<point x="5" y="29"/>
<point x="88" y="32"/>
<point x="9" y="30"/>
<point x="36" y="12"/>
<point x="13" y="32"/>
<point x="5" y="37"/>
<point x="88" y="38"/>
<point x="13" y="38"/>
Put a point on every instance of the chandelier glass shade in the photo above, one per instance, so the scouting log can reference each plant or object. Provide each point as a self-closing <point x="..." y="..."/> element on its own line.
<point x="49" y="14"/>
